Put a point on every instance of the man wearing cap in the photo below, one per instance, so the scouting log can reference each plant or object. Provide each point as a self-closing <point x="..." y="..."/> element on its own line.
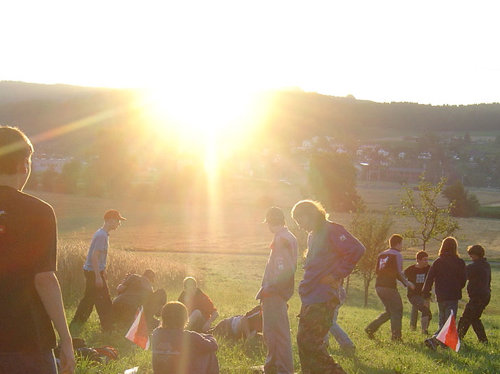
<point x="276" y="290"/>
<point x="94" y="269"/>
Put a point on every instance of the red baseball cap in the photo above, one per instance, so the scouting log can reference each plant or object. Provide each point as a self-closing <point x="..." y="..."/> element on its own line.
<point x="113" y="214"/>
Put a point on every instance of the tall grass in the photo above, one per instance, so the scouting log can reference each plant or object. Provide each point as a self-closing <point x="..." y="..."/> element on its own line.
<point x="72" y="255"/>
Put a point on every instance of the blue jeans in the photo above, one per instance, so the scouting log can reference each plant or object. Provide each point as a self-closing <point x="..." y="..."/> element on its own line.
<point x="27" y="362"/>
<point x="340" y="335"/>
<point x="445" y="307"/>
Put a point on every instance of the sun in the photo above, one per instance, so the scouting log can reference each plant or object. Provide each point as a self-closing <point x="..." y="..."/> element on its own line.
<point x="212" y="122"/>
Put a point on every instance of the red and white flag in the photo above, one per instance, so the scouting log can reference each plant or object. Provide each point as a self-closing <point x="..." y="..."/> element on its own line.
<point x="138" y="332"/>
<point x="449" y="334"/>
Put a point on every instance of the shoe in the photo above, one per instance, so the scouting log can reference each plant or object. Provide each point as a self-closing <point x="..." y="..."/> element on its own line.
<point x="369" y="333"/>
<point x="425" y="332"/>
<point x="259" y="369"/>
<point x="397" y="339"/>
<point x="430" y="343"/>
<point x="338" y="370"/>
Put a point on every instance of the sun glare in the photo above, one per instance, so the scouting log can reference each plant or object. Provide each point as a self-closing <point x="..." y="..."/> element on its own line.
<point x="210" y="123"/>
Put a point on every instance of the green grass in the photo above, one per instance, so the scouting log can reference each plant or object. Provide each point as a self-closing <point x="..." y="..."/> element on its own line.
<point x="232" y="281"/>
<point x="226" y="248"/>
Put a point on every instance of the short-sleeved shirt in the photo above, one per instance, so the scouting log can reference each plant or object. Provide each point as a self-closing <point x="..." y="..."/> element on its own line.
<point x="28" y="242"/>
<point x="100" y="243"/>
<point x="417" y="277"/>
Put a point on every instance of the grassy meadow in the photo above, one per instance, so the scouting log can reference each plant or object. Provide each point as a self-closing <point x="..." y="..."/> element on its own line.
<point x="225" y="246"/>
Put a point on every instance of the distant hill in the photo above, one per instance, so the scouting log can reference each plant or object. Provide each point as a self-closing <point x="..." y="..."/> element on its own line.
<point x="294" y="115"/>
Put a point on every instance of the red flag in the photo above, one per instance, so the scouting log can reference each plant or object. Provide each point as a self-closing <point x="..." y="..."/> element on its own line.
<point x="138" y="332"/>
<point x="449" y="335"/>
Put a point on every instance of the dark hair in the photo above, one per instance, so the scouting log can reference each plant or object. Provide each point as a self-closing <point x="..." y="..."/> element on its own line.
<point x="150" y="274"/>
<point x="395" y="240"/>
<point x="310" y="208"/>
<point x="449" y="246"/>
<point x="15" y="149"/>
<point x="476" y="250"/>
<point x="421" y="255"/>
<point x="174" y="315"/>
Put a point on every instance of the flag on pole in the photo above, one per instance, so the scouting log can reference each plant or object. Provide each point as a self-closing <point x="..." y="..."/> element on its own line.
<point x="138" y="332"/>
<point x="449" y="334"/>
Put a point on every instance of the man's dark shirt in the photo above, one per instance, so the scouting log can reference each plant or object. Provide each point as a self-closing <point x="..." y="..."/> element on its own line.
<point x="28" y="241"/>
<point x="417" y="277"/>
<point x="479" y="276"/>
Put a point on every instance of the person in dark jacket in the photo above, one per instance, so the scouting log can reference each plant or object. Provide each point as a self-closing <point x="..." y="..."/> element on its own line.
<point x="448" y="274"/>
<point x="389" y="270"/>
<point x="332" y="253"/>
<point x="180" y="351"/>
<point x="479" y="290"/>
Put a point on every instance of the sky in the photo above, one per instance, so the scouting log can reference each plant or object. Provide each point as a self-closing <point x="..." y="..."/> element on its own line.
<point x="431" y="52"/>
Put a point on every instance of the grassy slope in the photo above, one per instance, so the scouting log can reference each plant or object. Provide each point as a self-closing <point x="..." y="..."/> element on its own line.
<point x="232" y="280"/>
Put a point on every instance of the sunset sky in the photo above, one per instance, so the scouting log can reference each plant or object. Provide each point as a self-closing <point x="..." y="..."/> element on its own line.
<point x="437" y="52"/>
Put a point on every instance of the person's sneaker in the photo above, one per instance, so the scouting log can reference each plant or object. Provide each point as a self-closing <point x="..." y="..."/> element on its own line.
<point x="338" y="370"/>
<point x="369" y="333"/>
<point x="259" y="369"/>
<point x="425" y="332"/>
<point x="397" y="339"/>
<point x="430" y="343"/>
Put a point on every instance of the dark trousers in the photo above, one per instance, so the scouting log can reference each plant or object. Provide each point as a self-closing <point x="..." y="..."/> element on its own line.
<point x="393" y="311"/>
<point x="27" y="362"/>
<point x="472" y="316"/>
<point x="418" y="304"/>
<point x="314" y="323"/>
<point x="95" y="296"/>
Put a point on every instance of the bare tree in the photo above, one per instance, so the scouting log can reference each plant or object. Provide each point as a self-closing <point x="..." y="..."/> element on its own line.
<point x="371" y="230"/>
<point x="434" y="220"/>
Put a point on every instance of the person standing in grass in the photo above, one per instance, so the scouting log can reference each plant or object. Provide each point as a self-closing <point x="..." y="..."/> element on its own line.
<point x="389" y="271"/>
<point x="94" y="270"/>
<point x="29" y="290"/>
<point x="202" y="311"/>
<point x="416" y="274"/>
<point x="332" y="253"/>
<point x="479" y="290"/>
<point x="177" y="350"/>
<point x="277" y="288"/>
<point x="448" y="273"/>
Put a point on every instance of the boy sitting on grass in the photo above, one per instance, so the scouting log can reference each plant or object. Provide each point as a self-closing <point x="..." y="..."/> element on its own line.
<point x="180" y="351"/>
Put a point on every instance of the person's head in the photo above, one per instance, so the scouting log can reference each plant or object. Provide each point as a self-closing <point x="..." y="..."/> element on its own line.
<point x="275" y="218"/>
<point x="112" y="219"/>
<point x="190" y="284"/>
<point x="149" y="275"/>
<point x="15" y="156"/>
<point x="174" y="315"/>
<point x="475" y="251"/>
<point x="396" y="242"/>
<point x="449" y="246"/>
<point x="309" y="214"/>
<point x="422" y="257"/>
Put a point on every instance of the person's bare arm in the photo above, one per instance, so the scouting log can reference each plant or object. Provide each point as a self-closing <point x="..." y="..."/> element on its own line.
<point x="47" y="287"/>
<point x="95" y="265"/>
<point x="212" y="318"/>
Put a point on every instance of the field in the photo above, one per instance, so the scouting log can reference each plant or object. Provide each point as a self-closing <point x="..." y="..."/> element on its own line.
<point x="226" y="249"/>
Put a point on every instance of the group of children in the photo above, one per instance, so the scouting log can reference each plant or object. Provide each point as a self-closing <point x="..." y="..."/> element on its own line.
<point x="448" y="274"/>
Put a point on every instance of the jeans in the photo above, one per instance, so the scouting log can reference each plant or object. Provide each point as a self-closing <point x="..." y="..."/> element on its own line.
<point x="95" y="296"/>
<point x="27" y="362"/>
<point x="393" y="311"/>
<point x="445" y="308"/>
<point x="340" y="335"/>
<point x="418" y="303"/>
